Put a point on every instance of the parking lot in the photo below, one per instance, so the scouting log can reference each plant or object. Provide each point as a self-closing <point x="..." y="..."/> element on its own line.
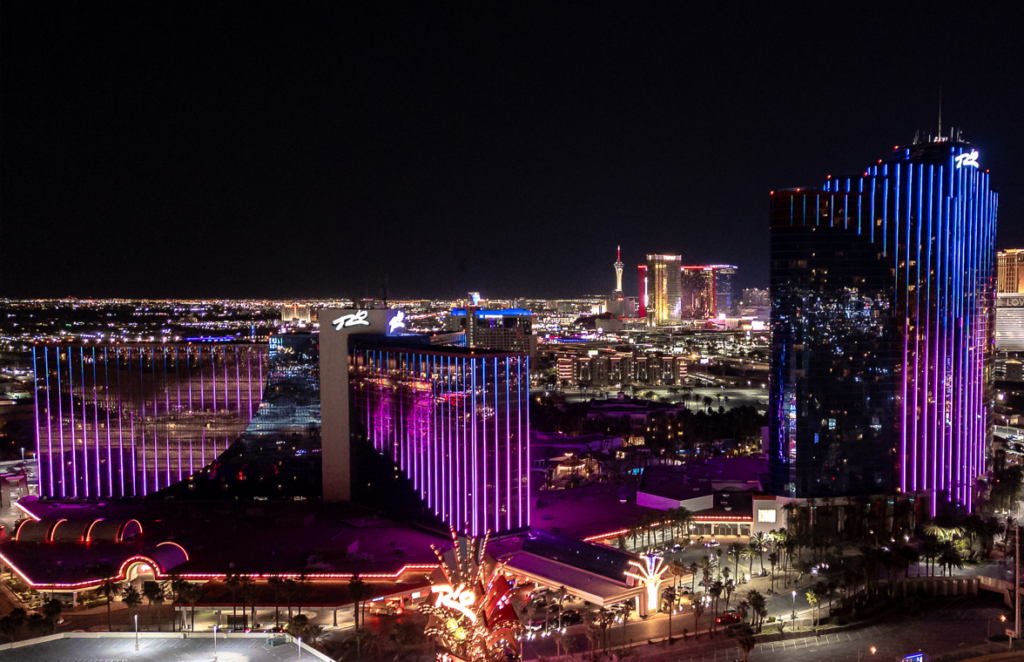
<point x="172" y="647"/>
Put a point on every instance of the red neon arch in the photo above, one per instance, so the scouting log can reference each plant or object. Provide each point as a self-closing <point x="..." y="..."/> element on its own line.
<point x="122" y="573"/>
<point x="176" y="545"/>
<point x="88" y="531"/>
<point x="20" y="526"/>
<point x="120" y="531"/>
<point x="53" y="529"/>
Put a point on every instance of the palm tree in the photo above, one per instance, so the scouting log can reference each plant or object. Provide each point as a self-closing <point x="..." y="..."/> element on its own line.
<point x="276" y="583"/>
<point x="735" y="549"/>
<point x="359" y="591"/>
<point x="154" y="592"/>
<point x="288" y="587"/>
<point x="757" y="606"/>
<point x="759" y="541"/>
<point x="131" y="599"/>
<point x="698" y="611"/>
<point x="52" y="609"/>
<point x="627" y="609"/>
<point x="743" y="608"/>
<point x="192" y="593"/>
<point x="670" y="596"/>
<point x="730" y="585"/>
<point x="715" y="592"/>
<point x="562" y="592"/>
<point x="177" y="585"/>
<point x="303" y="589"/>
<point x="111" y="590"/>
<point x="773" y="559"/>
<point x="949" y="558"/>
<point x="233" y="581"/>
<point x="745" y="640"/>
<point x="693" y="570"/>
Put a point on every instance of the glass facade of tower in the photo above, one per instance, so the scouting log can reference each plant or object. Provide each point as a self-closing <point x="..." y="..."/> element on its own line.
<point x="660" y="289"/>
<point x="833" y="361"/>
<point x="456" y="422"/>
<point x="926" y="214"/>
<point x="699" y="298"/>
<point x="126" y="421"/>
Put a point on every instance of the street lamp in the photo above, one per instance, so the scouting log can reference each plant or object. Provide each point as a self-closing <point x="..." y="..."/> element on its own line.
<point x="794" y="606"/>
<point x="136" y="632"/>
<point x="215" y="642"/>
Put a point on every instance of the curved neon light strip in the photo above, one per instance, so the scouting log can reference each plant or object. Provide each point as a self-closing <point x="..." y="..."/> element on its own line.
<point x="123" y="527"/>
<point x="25" y="510"/>
<point x="53" y="530"/>
<point x="122" y="573"/>
<point x="88" y="531"/>
<point x="176" y="545"/>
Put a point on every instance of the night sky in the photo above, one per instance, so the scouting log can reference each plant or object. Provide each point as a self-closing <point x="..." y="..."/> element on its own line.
<point x="303" y="149"/>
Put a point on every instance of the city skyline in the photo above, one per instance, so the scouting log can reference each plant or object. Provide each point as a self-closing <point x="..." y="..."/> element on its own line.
<point x="185" y="145"/>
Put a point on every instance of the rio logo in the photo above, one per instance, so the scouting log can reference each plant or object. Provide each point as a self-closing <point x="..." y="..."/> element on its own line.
<point x="357" y="318"/>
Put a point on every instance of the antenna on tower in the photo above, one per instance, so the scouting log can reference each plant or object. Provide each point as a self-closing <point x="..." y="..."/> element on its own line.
<point x="618" y="253"/>
<point x="940" y="111"/>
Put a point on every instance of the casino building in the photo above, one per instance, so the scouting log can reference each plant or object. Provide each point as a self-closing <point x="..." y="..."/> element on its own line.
<point x="882" y="288"/>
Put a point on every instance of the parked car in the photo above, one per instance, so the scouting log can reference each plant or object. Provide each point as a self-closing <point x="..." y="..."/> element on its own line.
<point x="728" y="618"/>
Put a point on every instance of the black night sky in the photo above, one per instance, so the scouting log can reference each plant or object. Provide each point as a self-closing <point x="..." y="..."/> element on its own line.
<point x="304" y="149"/>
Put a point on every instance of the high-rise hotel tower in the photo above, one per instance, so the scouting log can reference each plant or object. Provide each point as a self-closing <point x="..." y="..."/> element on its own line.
<point x="882" y="289"/>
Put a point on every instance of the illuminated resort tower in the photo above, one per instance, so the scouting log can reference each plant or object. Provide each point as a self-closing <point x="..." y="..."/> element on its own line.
<point x="660" y="289"/>
<point x="882" y="286"/>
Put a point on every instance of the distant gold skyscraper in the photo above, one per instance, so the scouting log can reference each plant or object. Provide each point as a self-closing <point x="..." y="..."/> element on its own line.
<point x="660" y="289"/>
<point x="1010" y="279"/>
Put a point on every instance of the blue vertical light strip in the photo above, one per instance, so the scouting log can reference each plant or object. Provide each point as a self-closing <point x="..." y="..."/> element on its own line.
<point x="860" y="206"/>
<point x="885" y="210"/>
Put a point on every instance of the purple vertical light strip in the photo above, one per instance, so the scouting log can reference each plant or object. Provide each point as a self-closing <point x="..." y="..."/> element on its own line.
<point x="60" y="425"/>
<point x="85" y="424"/>
<point x="177" y="410"/>
<point x="120" y="419"/>
<point x="142" y="421"/>
<point x="902" y="293"/>
<point x="213" y="378"/>
<point x="482" y="443"/>
<point x="919" y="222"/>
<point x="526" y="440"/>
<point x="519" y="437"/>
<point x="248" y="377"/>
<point x="238" y="384"/>
<point x="202" y="387"/>
<point x="96" y="423"/>
<point x="929" y="387"/>
<point x="71" y="428"/>
<point x="49" y="429"/>
<point x="508" y="449"/>
<point x="497" y="453"/>
<point x="227" y="398"/>
<point x="448" y="462"/>
<point x="35" y="409"/>
<point x="470" y="470"/>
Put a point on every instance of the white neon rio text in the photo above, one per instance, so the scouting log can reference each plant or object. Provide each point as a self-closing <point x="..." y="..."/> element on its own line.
<point x="967" y="159"/>
<point x="397" y="322"/>
<point x="460" y="599"/>
<point x="354" y="319"/>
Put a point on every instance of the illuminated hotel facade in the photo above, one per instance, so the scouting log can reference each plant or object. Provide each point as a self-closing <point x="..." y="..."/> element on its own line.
<point x="126" y="421"/>
<point x="882" y="288"/>
<point x="454" y="420"/>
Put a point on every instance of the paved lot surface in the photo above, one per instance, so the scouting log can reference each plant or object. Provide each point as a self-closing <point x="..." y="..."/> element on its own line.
<point x="948" y="625"/>
<point x="153" y="650"/>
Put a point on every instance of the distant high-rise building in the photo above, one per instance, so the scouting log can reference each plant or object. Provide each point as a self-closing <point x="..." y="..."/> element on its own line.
<point x="660" y="289"/>
<point x="618" y="269"/>
<point x="509" y="330"/>
<point x="882" y="287"/>
<point x="1010" y="267"/>
<point x="756" y="298"/>
<point x="699" y="296"/>
<point x="726" y="302"/>
<point x="1009" y="322"/>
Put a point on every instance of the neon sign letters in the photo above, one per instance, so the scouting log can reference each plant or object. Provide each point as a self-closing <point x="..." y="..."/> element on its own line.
<point x="397" y="322"/>
<point x="967" y="159"/>
<point x="357" y="318"/>
<point x="459" y="599"/>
